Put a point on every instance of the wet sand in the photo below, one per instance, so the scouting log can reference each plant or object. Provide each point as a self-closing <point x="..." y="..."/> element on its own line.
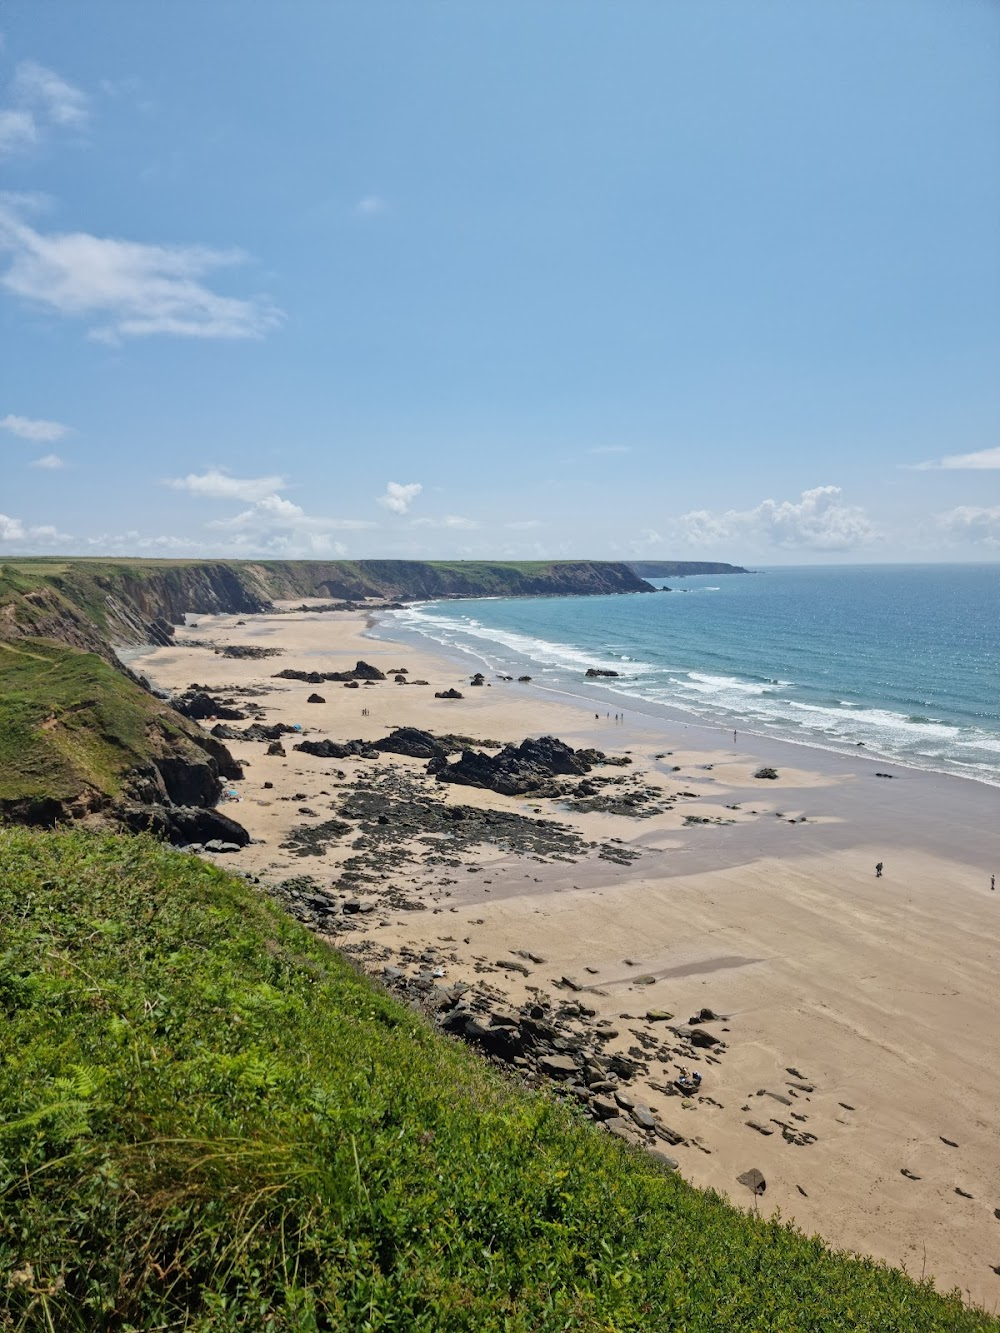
<point x="882" y="994"/>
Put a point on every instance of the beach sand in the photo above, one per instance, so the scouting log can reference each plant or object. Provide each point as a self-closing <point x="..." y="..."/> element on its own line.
<point x="882" y="994"/>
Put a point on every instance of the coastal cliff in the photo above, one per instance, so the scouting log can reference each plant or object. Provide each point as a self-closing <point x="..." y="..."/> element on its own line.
<point x="98" y="605"/>
<point x="678" y="569"/>
<point x="82" y="738"/>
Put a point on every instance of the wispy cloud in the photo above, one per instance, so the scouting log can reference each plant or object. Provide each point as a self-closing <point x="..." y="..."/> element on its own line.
<point x="37" y="100"/>
<point x="28" y="428"/>
<point x="127" y="289"/>
<point x="818" y="520"/>
<point x="274" y="512"/>
<point x="273" y="524"/>
<point x="369" y="206"/>
<point x="50" y="462"/>
<point x="53" y="99"/>
<point x="398" y="497"/>
<point x="218" y="485"/>
<point x="523" y="524"/>
<point x="983" y="459"/>
<point x="447" y="521"/>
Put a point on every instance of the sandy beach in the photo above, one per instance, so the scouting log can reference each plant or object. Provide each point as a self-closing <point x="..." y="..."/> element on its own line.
<point x="858" y="1014"/>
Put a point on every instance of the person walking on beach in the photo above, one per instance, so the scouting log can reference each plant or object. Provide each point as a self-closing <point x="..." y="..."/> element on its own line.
<point x="878" y="870"/>
<point x="734" y="735"/>
<point x="993" y="883"/>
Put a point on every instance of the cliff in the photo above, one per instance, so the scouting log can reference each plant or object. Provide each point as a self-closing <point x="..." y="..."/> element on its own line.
<point x="82" y="739"/>
<point x="98" y="604"/>
<point x="677" y="569"/>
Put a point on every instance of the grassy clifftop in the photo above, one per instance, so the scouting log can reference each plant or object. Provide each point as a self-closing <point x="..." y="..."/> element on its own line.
<point x="74" y="731"/>
<point x="95" y="603"/>
<point x="208" y="1121"/>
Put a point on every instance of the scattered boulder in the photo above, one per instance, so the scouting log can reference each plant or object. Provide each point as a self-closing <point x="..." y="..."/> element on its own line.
<point x="558" y="1066"/>
<point x="754" y="1180"/>
<point x="448" y="694"/>
<point x="593" y="672"/>
<point x="277" y="748"/>
<point x="315" y="699"/>
<point x="766" y="772"/>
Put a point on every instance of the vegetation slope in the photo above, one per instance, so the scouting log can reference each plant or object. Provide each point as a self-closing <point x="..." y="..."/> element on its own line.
<point x="75" y="732"/>
<point x="208" y="1121"/>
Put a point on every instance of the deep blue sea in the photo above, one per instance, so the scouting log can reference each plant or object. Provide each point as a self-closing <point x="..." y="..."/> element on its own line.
<point x="903" y="658"/>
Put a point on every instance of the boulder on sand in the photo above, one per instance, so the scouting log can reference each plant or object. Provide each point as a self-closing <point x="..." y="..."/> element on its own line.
<point x="516" y="769"/>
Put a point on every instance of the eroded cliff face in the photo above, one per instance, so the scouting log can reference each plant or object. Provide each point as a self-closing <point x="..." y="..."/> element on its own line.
<point x="99" y="605"/>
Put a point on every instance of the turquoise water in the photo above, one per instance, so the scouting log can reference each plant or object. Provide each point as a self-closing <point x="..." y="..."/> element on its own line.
<point x="905" y="659"/>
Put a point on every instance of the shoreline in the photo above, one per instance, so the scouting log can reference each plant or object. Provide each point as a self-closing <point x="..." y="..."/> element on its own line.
<point x="674" y="712"/>
<point x="883" y="997"/>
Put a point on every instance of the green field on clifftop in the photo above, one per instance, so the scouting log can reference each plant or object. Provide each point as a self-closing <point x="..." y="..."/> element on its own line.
<point x="209" y="1121"/>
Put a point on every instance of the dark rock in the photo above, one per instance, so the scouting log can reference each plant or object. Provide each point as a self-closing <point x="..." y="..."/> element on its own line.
<point x="670" y="1163"/>
<point x="411" y="742"/>
<point x="276" y="747"/>
<point x="643" y="1117"/>
<point x="448" y="694"/>
<point x="592" y="672"/>
<point x="199" y="706"/>
<point x="182" y="825"/>
<point x="706" y="1016"/>
<point x="766" y="773"/>
<point x="754" y="1180"/>
<point x="603" y="1108"/>
<point x="315" y="699"/>
<point x="328" y="749"/>
<point x="516" y="769"/>
<point x="558" y="1066"/>
<point x="361" y="671"/>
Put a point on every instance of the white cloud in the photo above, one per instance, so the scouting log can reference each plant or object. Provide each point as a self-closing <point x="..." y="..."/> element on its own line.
<point x="399" y="497"/>
<point x="14" y="530"/>
<point x="17" y="130"/>
<point x="218" y="485"/>
<point x="981" y="460"/>
<point x="448" y="521"/>
<point x="51" y="462"/>
<point x="523" y="524"/>
<point x="39" y="99"/>
<point x="817" y="521"/>
<point x="30" y="429"/>
<point x="126" y="288"/>
<point x="973" y="523"/>
<point x="369" y="206"/>
<point x="611" y="449"/>
<point x="53" y="99"/>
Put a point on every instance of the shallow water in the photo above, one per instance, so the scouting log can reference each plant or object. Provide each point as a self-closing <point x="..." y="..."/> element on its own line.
<point x="904" y="659"/>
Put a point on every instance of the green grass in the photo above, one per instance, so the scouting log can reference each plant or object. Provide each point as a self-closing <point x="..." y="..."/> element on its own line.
<point x="71" y="724"/>
<point x="208" y="1121"/>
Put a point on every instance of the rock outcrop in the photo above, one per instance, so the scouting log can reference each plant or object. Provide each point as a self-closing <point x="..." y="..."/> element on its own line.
<point x="516" y="770"/>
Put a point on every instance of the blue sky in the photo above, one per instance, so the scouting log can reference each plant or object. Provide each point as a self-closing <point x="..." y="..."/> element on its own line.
<point x="708" y="279"/>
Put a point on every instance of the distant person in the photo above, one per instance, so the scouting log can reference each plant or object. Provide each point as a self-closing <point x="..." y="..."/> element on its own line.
<point x="734" y="735"/>
<point x="993" y="883"/>
<point x="878" y="870"/>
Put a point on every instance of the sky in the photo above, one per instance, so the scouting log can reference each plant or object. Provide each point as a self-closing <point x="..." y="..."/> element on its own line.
<point x="686" y="279"/>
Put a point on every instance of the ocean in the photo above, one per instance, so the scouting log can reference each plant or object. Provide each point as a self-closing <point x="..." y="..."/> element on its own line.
<point x="903" y="659"/>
